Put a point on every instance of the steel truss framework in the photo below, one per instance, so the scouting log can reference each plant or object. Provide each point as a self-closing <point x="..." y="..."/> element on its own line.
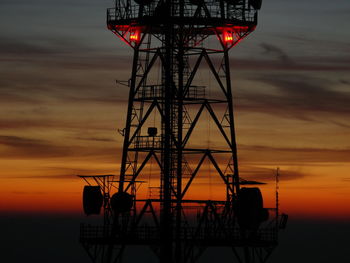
<point x="169" y="37"/>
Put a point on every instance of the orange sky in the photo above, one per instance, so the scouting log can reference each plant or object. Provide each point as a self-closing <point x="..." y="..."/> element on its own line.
<point x="61" y="108"/>
<point x="43" y="146"/>
<point x="312" y="193"/>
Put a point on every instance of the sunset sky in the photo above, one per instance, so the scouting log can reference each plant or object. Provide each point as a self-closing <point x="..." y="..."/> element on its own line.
<point x="61" y="107"/>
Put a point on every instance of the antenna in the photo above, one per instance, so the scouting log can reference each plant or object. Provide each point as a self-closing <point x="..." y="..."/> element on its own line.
<point x="177" y="38"/>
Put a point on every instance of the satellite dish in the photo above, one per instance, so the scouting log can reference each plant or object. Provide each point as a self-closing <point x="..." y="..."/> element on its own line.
<point x="121" y="202"/>
<point x="92" y="200"/>
<point x="256" y="4"/>
<point x="251" y="213"/>
<point x="143" y="2"/>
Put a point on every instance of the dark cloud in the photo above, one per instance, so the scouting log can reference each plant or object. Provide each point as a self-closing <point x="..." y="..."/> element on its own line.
<point x="21" y="147"/>
<point x="15" y="141"/>
<point x="344" y="81"/>
<point x="113" y="99"/>
<point x="297" y="96"/>
<point x="290" y="54"/>
<point x="7" y="97"/>
<point x="53" y="176"/>
<point x="62" y="173"/>
<point x="29" y="148"/>
<point x="294" y="64"/>
<point x="263" y="174"/>
<point x="61" y="54"/>
<point x="255" y="153"/>
<point x="48" y="122"/>
<point x="50" y="94"/>
<point x="21" y="48"/>
<point x="274" y="51"/>
<point x="340" y="124"/>
<point x="39" y="71"/>
<point x="97" y="139"/>
<point x="41" y="46"/>
<point x="36" y="123"/>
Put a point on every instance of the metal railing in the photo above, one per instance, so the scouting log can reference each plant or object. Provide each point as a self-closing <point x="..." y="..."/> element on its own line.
<point x="208" y="234"/>
<point x="152" y="92"/>
<point x="131" y="11"/>
<point x="147" y="142"/>
<point x="195" y="92"/>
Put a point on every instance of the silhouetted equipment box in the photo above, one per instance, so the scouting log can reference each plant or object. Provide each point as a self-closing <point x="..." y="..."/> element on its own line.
<point x="152" y="131"/>
<point x="92" y="200"/>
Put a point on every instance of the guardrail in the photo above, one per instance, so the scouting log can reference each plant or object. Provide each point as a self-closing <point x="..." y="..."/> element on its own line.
<point x="132" y="11"/>
<point x="146" y="142"/>
<point x="152" y="92"/>
<point x="89" y="233"/>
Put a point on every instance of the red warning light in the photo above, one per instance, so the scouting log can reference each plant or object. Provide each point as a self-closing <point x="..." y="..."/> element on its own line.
<point x="135" y="35"/>
<point x="228" y="36"/>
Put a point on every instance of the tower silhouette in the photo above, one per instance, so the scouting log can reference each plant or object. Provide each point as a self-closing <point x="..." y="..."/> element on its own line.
<point x="150" y="203"/>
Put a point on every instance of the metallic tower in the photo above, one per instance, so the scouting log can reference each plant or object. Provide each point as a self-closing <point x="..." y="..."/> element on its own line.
<point x="149" y="203"/>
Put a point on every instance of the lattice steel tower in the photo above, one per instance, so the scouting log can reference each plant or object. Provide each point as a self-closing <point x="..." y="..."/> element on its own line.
<point x="149" y="203"/>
